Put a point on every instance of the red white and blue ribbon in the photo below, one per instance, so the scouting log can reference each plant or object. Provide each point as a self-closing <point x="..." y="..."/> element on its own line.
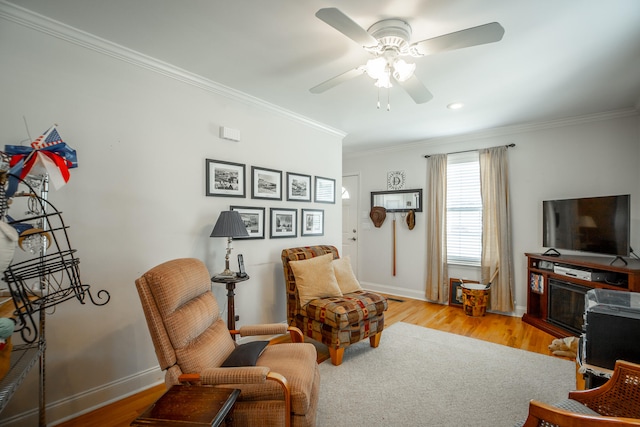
<point x="48" y="154"/>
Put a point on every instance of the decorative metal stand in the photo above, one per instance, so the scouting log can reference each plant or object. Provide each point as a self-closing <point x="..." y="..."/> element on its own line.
<point x="44" y="275"/>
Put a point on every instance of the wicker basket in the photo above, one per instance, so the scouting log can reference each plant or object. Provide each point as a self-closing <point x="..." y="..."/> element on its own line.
<point x="474" y="299"/>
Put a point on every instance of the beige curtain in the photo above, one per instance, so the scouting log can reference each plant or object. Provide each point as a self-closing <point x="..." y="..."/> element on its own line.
<point x="496" y="262"/>
<point x="436" y="208"/>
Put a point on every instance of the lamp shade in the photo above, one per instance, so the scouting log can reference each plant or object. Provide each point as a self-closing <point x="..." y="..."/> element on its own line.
<point x="229" y="224"/>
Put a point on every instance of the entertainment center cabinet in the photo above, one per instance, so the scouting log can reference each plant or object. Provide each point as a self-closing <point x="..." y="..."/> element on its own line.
<point x="555" y="300"/>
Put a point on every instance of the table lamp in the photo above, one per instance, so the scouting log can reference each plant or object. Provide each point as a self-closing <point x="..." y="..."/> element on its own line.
<point x="229" y="225"/>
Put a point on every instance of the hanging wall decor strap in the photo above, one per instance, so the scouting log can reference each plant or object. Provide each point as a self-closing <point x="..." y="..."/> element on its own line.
<point x="468" y="151"/>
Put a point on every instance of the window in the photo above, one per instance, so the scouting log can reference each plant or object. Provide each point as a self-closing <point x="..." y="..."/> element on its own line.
<point x="345" y="193"/>
<point x="464" y="209"/>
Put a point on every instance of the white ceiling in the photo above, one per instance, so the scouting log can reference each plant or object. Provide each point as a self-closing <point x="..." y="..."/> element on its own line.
<point x="557" y="59"/>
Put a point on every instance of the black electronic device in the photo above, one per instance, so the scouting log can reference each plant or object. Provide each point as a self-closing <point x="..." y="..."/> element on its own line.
<point x="241" y="272"/>
<point x="612" y="327"/>
<point x="590" y="224"/>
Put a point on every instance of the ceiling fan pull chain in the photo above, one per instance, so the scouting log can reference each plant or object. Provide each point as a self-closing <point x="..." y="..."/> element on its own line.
<point x="388" y="99"/>
<point x="378" y="97"/>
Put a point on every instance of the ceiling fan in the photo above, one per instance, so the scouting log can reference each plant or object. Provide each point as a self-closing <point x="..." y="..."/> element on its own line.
<point x="389" y="40"/>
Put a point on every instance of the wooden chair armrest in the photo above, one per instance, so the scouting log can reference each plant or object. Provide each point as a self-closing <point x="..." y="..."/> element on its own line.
<point x="264" y="329"/>
<point x="296" y="334"/>
<point x="539" y="411"/>
<point x="270" y="329"/>
<point x="280" y="379"/>
<point x="235" y="375"/>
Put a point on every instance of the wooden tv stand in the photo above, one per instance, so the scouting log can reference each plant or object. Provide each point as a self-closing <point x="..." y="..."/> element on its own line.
<point x="540" y="268"/>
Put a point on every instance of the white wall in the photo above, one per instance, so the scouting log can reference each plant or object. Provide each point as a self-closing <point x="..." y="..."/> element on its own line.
<point x="138" y="199"/>
<point x="588" y="156"/>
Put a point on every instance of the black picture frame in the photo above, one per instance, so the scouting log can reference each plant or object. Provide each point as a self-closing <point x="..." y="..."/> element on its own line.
<point x="325" y="190"/>
<point x="224" y="179"/>
<point x="266" y="183"/>
<point x="398" y="200"/>
<point x="284" y="223"/>
<point x="298" y="187"/>
<point x="253" y="218"/>
<point x="312" y="222"/>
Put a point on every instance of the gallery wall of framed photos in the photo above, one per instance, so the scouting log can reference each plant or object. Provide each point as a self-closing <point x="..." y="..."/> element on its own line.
<point x="228" y="179"/>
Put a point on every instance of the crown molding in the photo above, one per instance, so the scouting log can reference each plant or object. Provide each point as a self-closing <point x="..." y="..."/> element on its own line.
<point x="501" y="131"/>
<point x="53" y="28"/>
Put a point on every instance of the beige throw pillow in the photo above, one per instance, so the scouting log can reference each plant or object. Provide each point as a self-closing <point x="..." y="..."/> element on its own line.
<point x="315" y="278"/>
<point x="344" y="275"/>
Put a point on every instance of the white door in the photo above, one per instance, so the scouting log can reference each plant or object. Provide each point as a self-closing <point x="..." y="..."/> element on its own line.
<point x="350" y="191"/>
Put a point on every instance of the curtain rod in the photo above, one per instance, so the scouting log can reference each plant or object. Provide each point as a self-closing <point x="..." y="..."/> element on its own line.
<point x="468" y="151"/>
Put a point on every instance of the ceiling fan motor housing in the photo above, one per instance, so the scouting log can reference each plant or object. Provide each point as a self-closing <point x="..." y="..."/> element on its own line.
<point x="392" y="34"/>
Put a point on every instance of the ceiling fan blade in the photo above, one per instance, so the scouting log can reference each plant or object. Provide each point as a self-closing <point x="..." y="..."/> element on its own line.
<point x="483" y="34"/>
<point x="346" y="26"/>
<point x="335" y="81"/>
<point x="416" y="90"/>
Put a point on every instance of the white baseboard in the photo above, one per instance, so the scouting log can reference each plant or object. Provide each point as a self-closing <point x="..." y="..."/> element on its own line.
<point x="68" y="408"/>
<point x="393" y="290"/>
<point x="520" y="311"/>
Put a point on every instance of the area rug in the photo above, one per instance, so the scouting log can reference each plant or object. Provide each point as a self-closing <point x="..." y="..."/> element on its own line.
<point x="424" y="377"/>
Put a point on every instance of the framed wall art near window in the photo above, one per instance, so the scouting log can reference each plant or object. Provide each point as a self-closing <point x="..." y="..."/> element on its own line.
<point x="298" y="187"/>
<point x="266" y="183"/>
<point x="284" y="222"/>
<point x="312" y="222"/>
<point x="225" y="178"/>
<point x="325" y="190"/>
<point x="253" y="219"/>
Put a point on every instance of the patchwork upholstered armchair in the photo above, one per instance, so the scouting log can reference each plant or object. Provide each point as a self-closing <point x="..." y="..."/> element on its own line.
<point x="279" y="386"/>
<point x="327" y="303"/>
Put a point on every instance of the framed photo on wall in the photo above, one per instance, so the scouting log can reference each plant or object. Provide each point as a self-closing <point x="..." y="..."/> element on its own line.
<point x="253" y="219"/>
<point x="225" y="178"/>
<point x="298" y="187"/>
<point x="266" y="183"/>
<point x="325" y="191"/>
<point x="284" y="222"/>
<point x="312" y="222"/>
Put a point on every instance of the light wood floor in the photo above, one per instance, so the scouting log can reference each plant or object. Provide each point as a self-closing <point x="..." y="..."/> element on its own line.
<point x="510" y="331"/>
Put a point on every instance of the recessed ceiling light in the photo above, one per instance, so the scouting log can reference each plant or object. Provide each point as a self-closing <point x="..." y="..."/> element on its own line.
<point x="455" y="105"/>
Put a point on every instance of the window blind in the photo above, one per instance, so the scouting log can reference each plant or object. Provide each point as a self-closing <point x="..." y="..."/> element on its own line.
<point x="464" y="209"/>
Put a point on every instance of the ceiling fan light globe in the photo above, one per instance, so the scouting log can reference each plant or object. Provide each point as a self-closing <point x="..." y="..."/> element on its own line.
<point x="384" y="81"/>
<point x="403" y="70"/>
<point x="376" y="68"/>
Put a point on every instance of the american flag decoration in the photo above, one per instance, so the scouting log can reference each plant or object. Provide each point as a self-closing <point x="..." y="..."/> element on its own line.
<point x="48" y="154"/>
<point x="47" y="139"/>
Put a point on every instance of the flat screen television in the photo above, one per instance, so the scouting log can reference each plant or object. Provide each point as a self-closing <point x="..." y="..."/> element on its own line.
<point x="598" y="225"/>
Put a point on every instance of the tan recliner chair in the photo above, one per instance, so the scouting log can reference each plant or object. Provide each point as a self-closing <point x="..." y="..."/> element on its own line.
<point x="192" y="342"/>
